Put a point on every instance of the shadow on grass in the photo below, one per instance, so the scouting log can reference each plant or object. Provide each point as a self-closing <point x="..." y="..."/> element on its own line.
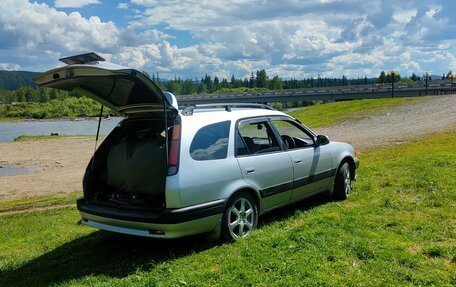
<point x="287" y="211"/>
<point x="117" y="255"/>
<point x="101" y="253"/>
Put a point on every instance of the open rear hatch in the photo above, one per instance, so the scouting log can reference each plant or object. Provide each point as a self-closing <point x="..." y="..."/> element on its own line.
<point x="129" y="168"/>
<point x="122" y="89"/>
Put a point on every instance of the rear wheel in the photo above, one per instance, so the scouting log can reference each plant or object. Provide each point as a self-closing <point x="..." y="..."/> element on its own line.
<point x="240" y="217"/>
<point x="342" y="185"/>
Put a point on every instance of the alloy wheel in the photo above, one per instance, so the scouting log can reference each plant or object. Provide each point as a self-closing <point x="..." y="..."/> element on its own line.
<point x="241" y="218"/>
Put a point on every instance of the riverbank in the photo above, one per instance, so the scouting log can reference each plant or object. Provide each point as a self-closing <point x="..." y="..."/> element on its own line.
<point x="61" y="162"/>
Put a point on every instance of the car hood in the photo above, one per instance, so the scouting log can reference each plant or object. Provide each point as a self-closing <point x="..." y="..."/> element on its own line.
<point x="122" y="89"/>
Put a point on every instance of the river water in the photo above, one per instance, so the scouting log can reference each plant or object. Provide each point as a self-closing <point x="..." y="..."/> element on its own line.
<point x="11" y="130"/>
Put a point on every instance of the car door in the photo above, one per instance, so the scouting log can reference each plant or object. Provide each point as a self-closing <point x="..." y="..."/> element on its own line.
<point x="263" y="163"/>
<point x="312" y="166"/>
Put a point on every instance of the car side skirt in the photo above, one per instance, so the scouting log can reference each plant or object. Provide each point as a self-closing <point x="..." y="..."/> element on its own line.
<point x="297" y="183"/>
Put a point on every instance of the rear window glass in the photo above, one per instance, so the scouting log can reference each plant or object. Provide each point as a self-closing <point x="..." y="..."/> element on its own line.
<point x="211" y="142"/>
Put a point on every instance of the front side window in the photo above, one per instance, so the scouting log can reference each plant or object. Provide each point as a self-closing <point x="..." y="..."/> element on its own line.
<point x="211" y="142"/>
<point x="292" y="136"/>
<point x="257" y="137"/>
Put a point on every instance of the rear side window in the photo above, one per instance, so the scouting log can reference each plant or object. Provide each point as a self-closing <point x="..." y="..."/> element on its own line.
<point x="211" y="142"/>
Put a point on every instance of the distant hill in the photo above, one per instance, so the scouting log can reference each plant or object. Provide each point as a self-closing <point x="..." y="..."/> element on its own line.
<point x="11" y="80"/>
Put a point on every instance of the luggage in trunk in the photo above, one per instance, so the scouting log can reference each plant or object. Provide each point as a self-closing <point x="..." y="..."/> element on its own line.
<point x="138" y="165"/>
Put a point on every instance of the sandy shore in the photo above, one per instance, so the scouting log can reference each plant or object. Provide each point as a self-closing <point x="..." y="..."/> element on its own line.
<point x="63" y="160"/>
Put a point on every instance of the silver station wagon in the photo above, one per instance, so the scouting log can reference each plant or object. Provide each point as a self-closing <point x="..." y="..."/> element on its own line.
<point x="166" y="173"/>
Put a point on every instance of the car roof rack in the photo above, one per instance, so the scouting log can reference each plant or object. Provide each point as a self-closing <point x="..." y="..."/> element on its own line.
<point x="188" y="111"/>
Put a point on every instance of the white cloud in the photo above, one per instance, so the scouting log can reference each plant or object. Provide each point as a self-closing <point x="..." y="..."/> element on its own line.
<point x="404" y="16"/>
<point x="9" y="67"/>
<point x="122" y="6"/>
<point x="37" y="26"/>
<point x="319" y="36"/>
<point x="287" y="38"/>
<point x="74" y="3"/>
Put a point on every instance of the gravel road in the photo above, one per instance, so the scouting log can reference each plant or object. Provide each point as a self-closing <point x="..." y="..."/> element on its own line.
<point x="62" y="161"/>
<point x="398" y="124"/>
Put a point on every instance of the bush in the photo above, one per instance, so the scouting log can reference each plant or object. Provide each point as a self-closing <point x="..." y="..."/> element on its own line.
<point x="59" y="108"/>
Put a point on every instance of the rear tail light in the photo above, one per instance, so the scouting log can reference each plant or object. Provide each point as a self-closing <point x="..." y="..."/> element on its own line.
<point x="355" y="153"/>
<point x="173" y="158"/>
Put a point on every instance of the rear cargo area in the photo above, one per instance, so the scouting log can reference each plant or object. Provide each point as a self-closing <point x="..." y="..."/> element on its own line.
<point x="129" y="168"/>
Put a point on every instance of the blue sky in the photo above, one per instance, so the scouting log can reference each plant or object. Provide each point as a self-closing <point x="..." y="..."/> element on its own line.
<point x="289" y="38"/>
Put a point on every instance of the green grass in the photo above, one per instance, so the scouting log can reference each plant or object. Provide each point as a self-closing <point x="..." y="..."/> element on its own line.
<point x="9" y="120"/>
<point x="331" y="113"/>
<point x="397" y="229"/>
<point x="38" y="202"/>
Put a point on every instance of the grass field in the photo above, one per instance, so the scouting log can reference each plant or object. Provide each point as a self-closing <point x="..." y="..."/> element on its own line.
<point x="333" y="113"/>
<point x="33" y="202"/>
<point x="397" y="229"/>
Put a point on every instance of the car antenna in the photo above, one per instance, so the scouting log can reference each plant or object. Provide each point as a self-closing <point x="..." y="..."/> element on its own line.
<point x="98" y="133"/>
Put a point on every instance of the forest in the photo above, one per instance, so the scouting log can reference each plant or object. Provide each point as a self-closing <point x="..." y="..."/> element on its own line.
<point x="20" y="98"/>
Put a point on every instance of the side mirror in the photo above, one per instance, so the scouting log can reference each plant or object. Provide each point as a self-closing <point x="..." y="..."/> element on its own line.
<point x="322" y="140"/>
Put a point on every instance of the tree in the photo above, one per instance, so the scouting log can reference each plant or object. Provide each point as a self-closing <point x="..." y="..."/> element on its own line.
<point x="224" y="84"/>
<point x="382" y="77"/>
<point x="252" y="81"/>
<point x="389" y="76"/>
<point x="414" y="77"/>
<point x="174" y="87"/>
<point x="216" y="84"/>
<point x="344" y="81"/>
<point x="188" y="87"/>
<point x="276" y="83"/>
<point x="261" y="79"/>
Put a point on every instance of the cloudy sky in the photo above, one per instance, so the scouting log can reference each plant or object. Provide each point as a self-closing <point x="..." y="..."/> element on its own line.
<point x="289" y="38"/>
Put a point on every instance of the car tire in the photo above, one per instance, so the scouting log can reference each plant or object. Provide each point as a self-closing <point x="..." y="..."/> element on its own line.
<point x="342" y="183"/>
<point x="240" y="217"/>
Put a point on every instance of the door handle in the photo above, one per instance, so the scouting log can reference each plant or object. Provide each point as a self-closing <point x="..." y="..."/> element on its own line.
<point x="249" y="170"/>
<point x="298" y="161"/>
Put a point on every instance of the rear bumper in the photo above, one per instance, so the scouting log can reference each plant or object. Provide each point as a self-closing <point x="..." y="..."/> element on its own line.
<point x="169" y="231"/>
<point x="172" y="223"/>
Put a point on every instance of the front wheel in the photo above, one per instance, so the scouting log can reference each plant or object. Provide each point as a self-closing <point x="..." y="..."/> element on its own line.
<point x="342" y="184"/>
<point x="240" y="217"/>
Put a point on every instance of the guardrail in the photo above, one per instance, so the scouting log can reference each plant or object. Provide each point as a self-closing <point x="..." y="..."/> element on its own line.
<point x="326" y="94"/>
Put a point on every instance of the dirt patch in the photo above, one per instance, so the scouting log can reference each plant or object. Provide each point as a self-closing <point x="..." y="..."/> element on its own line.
<point x="33" y="209"/>
<point x="63" y="161"/>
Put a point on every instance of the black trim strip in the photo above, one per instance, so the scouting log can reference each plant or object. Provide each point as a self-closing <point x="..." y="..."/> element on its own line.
<point x="165" y="216"/>
<point x="276" y="189"/>
<point x="297" y="183"/>
<point x="314" y="178"/>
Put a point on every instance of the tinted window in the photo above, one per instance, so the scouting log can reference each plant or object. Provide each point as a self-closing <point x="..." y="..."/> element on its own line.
<point x="211" y="142"/>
